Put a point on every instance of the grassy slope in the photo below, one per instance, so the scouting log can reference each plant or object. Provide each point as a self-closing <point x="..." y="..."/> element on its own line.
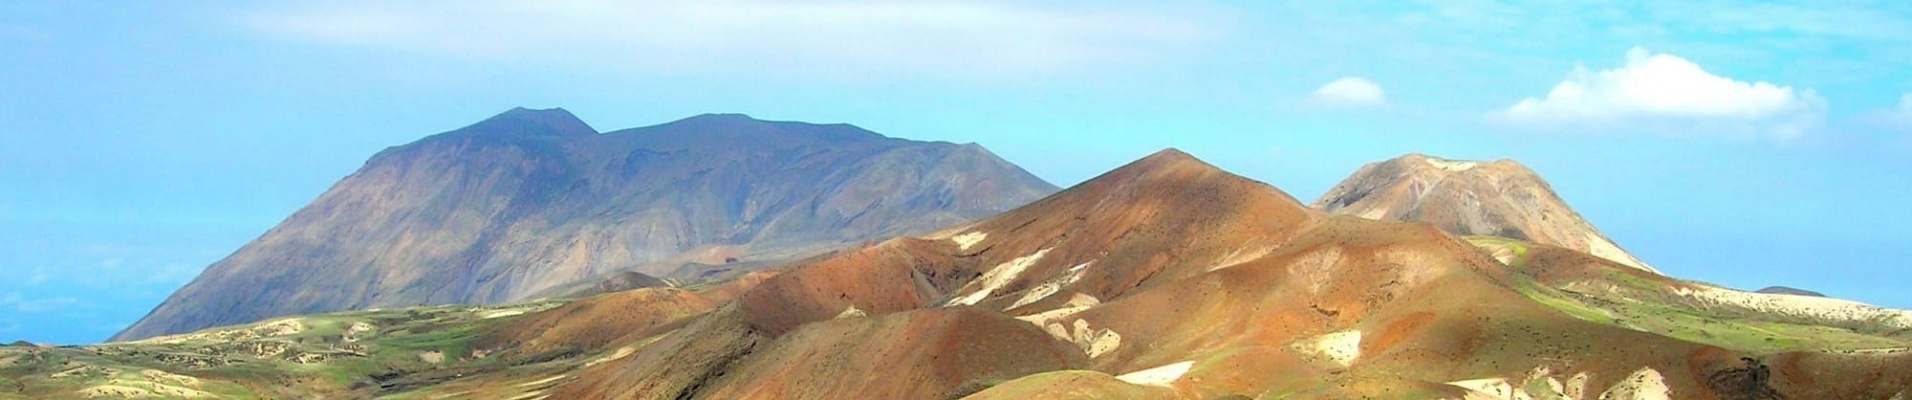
<point x="1643" y="313"/>
<point x="318" y="354"/>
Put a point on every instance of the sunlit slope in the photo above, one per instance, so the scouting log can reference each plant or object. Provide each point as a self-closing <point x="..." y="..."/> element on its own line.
<point x="1172" y="278"/>
<point x="1499" y="198"/>
<point x="492" y="352"/>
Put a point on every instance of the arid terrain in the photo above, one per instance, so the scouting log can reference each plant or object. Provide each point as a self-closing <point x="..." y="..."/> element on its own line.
<point x="1166" y="278"/>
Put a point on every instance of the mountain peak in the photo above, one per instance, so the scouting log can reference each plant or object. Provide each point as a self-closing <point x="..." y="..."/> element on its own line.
<point x="1165" y="160"/>
<point x="1173" y="172"/>
<point x="730" y="127"/>
<point x="1499" y="198"/>
<point x="1416" y="161"/>
<point x="520" y="121"/>
<point x="1171" y="153"/>
<point x="1790" y="291"/>
<point x="722" y="117"/>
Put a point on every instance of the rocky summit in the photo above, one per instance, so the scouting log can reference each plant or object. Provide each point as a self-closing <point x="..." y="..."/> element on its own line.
<point x="1500" y="198"/>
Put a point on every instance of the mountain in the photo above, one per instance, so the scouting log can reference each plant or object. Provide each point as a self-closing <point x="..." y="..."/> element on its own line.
<point x="1169" y="278"/>
<point x="538" y="202"/>
<point x="1791" y="291"/>
<point x="1500" y="198"/>
<point x="1166" y="278"/>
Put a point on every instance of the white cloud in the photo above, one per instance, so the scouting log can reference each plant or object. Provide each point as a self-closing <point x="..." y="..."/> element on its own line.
<point x="1657" y="85"/>
<point x="35" y="306"/>
<point x="21" y="304"/>
<point x="1897" y="118"/>
<point x="1349" y="91"/>
<point x="1666" y="88"/>
<point x="969" y="38"/>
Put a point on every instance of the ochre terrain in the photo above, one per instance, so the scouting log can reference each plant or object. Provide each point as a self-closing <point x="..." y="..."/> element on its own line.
<point x="1170" y="278"/>
<point x="1164" y="279"/>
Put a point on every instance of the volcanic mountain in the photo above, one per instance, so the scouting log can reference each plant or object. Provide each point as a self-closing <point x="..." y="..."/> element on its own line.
<point x="1166" y="278"/>
<point x="1788" y="290"/>
<point x="1169" y="278"/>
<point x="536" y="202"/>
<point x="1500" y="198"/>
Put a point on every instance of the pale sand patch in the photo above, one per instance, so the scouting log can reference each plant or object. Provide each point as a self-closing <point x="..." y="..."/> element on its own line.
<point x="1050" y="288"/>
<point x="1076" y="304"/>
<point x="1374" y="213"/>
<point x="121" y="388"/>
<point x="1871" y="352"/>
<point x="1317" y="268"/>
<point x="1241" y="255"/>
<point x="964" y="241"/>
<point x="1817" y="308"/>
<point x="1451" y="166"/>
<point x="620" y="353"/>
<point x="1602" y="248"/>
<point x="1644" y="384"/>
<point x="114" y="391"/>
<point x="1095" y="342"/>
<point x="1158" y="376"/>
<point x="169" y="378"/>
<point x="1057" y="330"/>
<point x="997" y="277"/>
<point x="1577" y="385"/>
<point x="541" y="381"/>
<point x="281" y="327"/>
<point x="1340" y="347"/>
<point x="852" y="312"/>
<point x="1491" y="388"/>
<point x="489" y="314"/>
<point x="83" y="371"/>
<point x="433" y="357"/>
<point x="1552" y="386"/>
<point x="538" y="395"/>
<point x="1558" y="390"/>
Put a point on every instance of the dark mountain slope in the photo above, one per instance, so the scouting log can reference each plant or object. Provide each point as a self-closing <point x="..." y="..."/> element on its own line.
<point x="532" y="201"/>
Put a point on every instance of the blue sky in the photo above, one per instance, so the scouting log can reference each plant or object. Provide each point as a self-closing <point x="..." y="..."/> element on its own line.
<point x="1742" y="143"/>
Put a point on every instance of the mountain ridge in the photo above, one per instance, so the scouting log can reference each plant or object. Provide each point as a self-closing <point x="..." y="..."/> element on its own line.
<point x="530" y="200"/>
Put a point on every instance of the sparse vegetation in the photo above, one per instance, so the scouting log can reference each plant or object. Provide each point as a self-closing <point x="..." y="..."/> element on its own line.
<point x="350" y="354"/>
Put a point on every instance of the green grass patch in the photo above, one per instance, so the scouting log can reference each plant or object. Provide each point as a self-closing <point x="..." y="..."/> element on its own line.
<point x="1634" y="281"/>
<point x="454" y="342"/>
<point x="1697" y="326"/>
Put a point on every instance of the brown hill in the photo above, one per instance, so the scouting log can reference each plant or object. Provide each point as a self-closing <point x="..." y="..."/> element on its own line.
<point x="627" y="280"/>
<point x="535" y="201"/>
<point x="1170" y="278"/>
<point x="1500" y="198"/>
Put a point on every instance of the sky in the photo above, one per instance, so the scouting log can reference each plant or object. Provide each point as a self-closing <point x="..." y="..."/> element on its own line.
<point x="1745" y="144"/>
